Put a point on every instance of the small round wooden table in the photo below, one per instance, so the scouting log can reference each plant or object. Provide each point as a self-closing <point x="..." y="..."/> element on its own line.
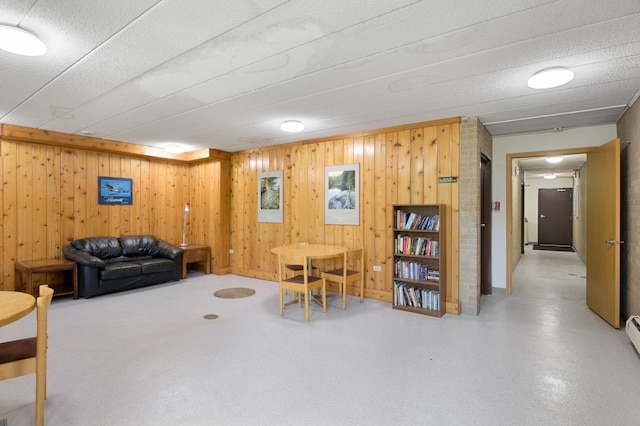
<point x="311" y="251"/>
<point x="15" y="305"/>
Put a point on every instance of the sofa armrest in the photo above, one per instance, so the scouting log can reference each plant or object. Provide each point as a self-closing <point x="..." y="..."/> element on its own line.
<point x="168" y="250"/>
<point x="82" y="258"/>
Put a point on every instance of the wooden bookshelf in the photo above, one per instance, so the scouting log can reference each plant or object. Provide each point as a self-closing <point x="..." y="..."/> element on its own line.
<point x="419" y="280"/>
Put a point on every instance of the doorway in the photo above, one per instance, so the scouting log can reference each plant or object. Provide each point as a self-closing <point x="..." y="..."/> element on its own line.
<point x="485" y="226"/>
<point x="516" y="214"/>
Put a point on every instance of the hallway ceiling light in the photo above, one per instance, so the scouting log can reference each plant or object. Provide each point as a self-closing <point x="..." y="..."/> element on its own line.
<point x="21" y="42"/>
<point x="550" y="78"/>
<point x="554" y="160"/>
<point x="550" y="176"/>
<point x="292" y="126"/>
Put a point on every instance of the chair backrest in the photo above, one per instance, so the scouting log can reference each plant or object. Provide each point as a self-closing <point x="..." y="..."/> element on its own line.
<point x="358" y="256"/>
<point x="284" y="260"/>
<point x="42" y="303"/>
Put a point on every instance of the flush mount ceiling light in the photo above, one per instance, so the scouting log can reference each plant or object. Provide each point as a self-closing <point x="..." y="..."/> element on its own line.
<point x="554" y="160"/>
<point x="21" y="42"/>
<point x="550" y="176"/>
<point x="549" y="78"/>
<point x="292" y="126"/>
<point x="174" y="148"/>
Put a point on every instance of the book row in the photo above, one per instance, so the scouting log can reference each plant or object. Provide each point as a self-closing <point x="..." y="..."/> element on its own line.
<point x="419" y="246"/>
<point x="417" y="221"/>
<point x="407" y="295"/>
<point x="415" y="271"/>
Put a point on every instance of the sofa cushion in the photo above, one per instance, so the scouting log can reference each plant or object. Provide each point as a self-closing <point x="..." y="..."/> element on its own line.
<point x="114" y="271"/>
<point x="153" y="266"/>
<point x="139" y="245"/>
<point x="102" y="247"/>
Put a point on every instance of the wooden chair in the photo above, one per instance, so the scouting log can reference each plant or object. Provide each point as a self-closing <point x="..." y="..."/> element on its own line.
<point x="29" y="356"/>
<point x="297" y="269"/>
<point x="344" y="275"/>
<point x="300" y="285"/>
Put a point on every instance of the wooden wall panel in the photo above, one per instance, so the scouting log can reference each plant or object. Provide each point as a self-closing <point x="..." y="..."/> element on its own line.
<point x="397" y="166"/>
<point x="50" y="197"/>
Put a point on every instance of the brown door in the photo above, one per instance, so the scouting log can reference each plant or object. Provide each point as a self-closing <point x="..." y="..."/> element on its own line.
<point x="485" y="226"/>
<point x="555" y="207"/>
<point x="603" y="231"/>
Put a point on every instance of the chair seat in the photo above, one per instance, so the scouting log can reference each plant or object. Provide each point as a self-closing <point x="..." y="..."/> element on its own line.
<point x="17" y="350"/>
<point x="339" y="272"/>
<point x="299" y="279"/>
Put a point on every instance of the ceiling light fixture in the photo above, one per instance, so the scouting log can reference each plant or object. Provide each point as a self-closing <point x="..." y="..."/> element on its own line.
<point x="554" y="160"/>
<point x="292" y="126"/>
<point x="174" y="148"/>
<point x="21" y="42"/>
<point x="550" y="176"/>
<point x="549" y="78"/>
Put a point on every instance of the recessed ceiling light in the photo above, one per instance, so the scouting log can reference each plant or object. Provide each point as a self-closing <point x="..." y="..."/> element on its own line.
<point x="21" y="42"/>
<point x="292" y="126"/>
<point x="174" y="148"/>
<point x="549" y="78"/>
<point x="554" y="160"/>
<point x="550" y="176"/>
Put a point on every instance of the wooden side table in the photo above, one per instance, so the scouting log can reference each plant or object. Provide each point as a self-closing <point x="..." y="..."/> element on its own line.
<point x="26" y="268"/>
<point x="196" y="253"/>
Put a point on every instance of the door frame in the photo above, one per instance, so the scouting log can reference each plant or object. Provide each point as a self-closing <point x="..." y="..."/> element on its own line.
<point x="509" y="209"/>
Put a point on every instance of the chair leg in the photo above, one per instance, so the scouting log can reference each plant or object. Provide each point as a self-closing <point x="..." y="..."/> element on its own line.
<point x="40" y="397"/>
<point x="281" y="302"/>
<point x="324" y="296"/>
<point x="306" y="306"/>
<point x="343" y="286"/>
<point x="361" y="290"/>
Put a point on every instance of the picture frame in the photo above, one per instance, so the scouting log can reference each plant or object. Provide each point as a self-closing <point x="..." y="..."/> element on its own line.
<point x="270" y="196"/>
<point x="342" y="195"/>
<point x="115" y="190"/>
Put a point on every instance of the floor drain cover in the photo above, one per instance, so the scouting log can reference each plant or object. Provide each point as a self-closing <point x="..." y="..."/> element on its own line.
<point x="210" y="316"/>
<point x="234" y="293"/>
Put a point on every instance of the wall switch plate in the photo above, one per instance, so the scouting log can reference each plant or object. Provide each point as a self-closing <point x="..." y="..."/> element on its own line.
<point x="230" y="251"/>
<point x="377" y="268"/>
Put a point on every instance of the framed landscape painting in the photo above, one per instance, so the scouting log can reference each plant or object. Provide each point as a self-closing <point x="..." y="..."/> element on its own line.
<point x="113" y="190"/>
<point x="270" y="197"/>
<point x="342" y="195"/>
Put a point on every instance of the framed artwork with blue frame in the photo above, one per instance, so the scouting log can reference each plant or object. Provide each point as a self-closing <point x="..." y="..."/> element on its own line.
<point x="115" y="191"/>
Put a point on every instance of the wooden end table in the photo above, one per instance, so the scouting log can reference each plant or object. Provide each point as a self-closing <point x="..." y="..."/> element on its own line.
<point x="196" y="253"/>
<point x="26" y="268"/>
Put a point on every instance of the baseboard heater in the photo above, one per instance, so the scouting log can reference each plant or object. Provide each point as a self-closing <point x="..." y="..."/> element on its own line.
<point x="633" y="330"/>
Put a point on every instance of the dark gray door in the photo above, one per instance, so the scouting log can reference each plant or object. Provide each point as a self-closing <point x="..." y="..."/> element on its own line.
<point x="485" y="226"/>
<point x="555" y="210"/>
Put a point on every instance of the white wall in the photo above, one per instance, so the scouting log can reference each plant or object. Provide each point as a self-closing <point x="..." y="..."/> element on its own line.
<point x="582" y="137"/>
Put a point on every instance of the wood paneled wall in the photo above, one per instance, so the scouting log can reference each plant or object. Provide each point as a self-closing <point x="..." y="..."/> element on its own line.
<point x="50" y="197"/>
<point x="397" y="166"/>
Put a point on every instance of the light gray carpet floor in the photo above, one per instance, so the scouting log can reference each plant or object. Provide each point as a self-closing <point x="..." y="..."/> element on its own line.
<point x="148" y="357"/>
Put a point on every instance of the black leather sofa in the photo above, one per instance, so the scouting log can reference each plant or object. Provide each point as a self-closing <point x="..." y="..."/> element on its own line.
<point x="109" y="264"/>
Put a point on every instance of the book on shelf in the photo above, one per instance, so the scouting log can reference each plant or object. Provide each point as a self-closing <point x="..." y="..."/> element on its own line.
<point x="420" y="246"/>
<point x="417" y="221"/>
<point x="408" y="295"/>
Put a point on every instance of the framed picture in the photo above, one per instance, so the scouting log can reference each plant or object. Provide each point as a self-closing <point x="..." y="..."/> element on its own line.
<point x="113" y="190"/>
<point x="342" y="195"/>
<point x="270" y="197"/>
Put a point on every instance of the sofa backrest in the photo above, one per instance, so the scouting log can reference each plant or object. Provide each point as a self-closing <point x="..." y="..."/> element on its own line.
<point x="139" y="245"/>
<point x="102" y="247"/>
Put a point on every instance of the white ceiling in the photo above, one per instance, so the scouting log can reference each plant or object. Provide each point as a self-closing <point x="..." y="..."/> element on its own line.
<point x="224" y="74"/>
<point x="537" y="167"/>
